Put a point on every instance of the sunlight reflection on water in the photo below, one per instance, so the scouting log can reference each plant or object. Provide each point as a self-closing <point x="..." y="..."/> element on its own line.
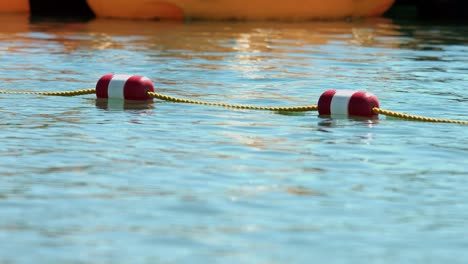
<point x="83" y="180"/>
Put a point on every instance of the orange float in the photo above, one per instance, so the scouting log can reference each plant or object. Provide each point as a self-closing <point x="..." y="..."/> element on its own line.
<point x="14" y="6"/>
<point x="225" y="9"/>
<point x="239" y="9"/>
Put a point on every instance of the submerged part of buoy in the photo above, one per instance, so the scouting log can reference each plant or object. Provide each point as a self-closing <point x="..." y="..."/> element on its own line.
<point x="128" y="87"/>
<point x="348" y="103"/>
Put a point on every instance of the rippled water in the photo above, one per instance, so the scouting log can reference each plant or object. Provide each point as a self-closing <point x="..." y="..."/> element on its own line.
<point x="85" y="182"/>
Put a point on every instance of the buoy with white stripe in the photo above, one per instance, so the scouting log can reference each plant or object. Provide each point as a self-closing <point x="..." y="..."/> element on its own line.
<point x="347" y="103"/>
<point x="127" y="87"/>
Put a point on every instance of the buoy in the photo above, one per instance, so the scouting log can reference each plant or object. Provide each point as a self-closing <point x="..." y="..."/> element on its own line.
<point x="128" y="87"/>
<point x="349" y="103"/>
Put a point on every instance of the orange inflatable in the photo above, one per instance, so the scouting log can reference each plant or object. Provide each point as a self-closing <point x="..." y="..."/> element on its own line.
<point x="225" y="9"/>
<point x="239" y="9"/>
<point x="14" y="6"/>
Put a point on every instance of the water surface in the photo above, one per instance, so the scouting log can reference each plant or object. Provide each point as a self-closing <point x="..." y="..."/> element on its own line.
<point x="89" y="182"/>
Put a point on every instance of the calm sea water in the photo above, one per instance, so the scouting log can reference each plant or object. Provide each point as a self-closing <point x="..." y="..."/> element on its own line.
<point x="84" y="182"/>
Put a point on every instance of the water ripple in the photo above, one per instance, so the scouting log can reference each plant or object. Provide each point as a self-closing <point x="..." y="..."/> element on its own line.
<point x="87" y="181"/>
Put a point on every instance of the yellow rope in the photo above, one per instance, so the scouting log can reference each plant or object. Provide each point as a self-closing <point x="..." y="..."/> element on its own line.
<point x="416" y="118"/>
<point x="64" y="93"/>
<point x="304" y="108"/>
<point x="251" y="107"/>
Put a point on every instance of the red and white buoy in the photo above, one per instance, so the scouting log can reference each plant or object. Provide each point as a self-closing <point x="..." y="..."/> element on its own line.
<point x="127" y="87"/>
<point x="349" y="103"/>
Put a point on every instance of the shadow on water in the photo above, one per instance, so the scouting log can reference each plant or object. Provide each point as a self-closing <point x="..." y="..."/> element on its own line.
<point x="424" y="34"/>
<point x="436" y="22"/>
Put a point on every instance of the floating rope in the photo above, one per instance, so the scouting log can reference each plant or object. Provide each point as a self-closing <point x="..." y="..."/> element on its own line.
<point x="415" y="117"/>
<point x="251" y="107"/>
<point x="331" y="102"/>
<point x="64" y="93"/>
<point x="305" y="108"/>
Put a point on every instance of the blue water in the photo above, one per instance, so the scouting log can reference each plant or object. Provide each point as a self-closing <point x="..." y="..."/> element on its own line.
<point x="84" y="182"/>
